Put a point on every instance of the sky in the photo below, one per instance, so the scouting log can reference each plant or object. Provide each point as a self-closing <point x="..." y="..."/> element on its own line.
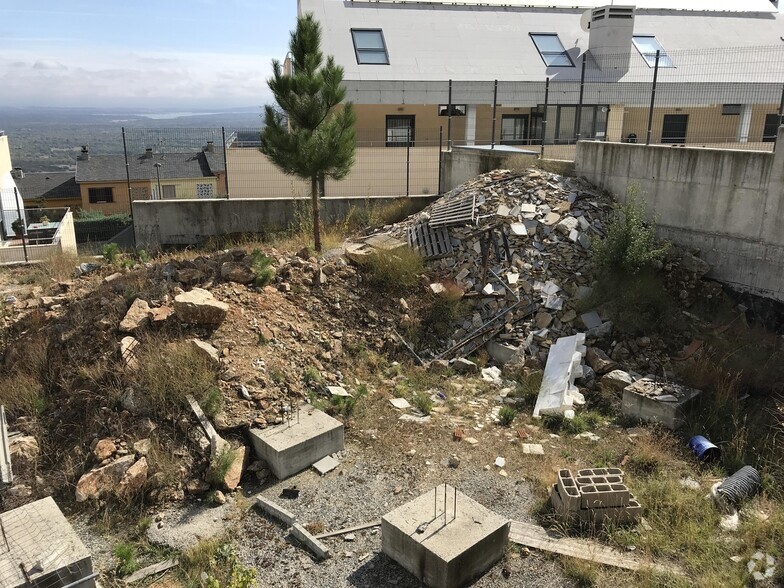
<point x="170" y="54"/>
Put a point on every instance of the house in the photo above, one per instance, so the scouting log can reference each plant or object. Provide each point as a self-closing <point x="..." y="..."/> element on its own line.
<point x="720" y="69"/>
<point x="48" y="189"/>
<point x="104" y="180"/>
<point x="11" y="204"/>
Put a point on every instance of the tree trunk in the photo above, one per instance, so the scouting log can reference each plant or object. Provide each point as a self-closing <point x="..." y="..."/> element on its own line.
<point x="314" y="200"/>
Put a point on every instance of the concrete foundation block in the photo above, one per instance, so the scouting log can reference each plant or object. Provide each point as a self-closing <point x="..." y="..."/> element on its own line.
<point x="657" y="402"/>
<point x="291" y="447"/>
<point x="444" y="538"/>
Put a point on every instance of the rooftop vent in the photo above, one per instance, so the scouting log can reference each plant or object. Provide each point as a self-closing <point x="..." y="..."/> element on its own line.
<point x="84" y="154"/>
<point x="610" y="39"/>
<point x="18" y="173"/>
<point x="148" y="153"/>
<point x="210" y="146"/>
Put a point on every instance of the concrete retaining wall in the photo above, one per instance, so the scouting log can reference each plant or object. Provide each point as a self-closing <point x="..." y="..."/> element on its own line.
<point x="187" y="222"/>
<point x="727" y="203"/>
<point x="465" y="163"/>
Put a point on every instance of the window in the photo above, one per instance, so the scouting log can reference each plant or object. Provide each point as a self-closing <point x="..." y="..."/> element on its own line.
<point x="674" y="128"/>
<point x="169" y="191"/>
<point x="100" y="195"/>
<point x="731" y="109"/>
<point x="552" y="50"/>
<point x="771" y="128"/>
<point x="400" y="129"/>
<point x="457" y="109"/>
<point x="369" y="46"/>
<point x="647" y="45"/>
<point x="514" y="129"/>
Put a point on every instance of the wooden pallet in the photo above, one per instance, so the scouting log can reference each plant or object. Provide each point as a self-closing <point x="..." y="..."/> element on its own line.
<point x="430" y="242"/>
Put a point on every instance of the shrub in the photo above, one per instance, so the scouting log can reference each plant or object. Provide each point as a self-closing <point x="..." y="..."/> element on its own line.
<point x="126" y="558"/>
<point x="261" y="265"/>
<point x="220" y="465"/>
<point x="311" y="376"/>
<point x="423" y="402"/>
<point x="95" y="226"/>
<point x="506" y="415"/>
<point x="345" y="405"/>
<point x="22" y="394"/>
<point x="630" y="244"/>
<point x="396" y="270"/>
<point x="111" y="253"/>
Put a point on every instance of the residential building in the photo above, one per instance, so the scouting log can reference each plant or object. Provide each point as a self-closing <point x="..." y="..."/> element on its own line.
<point x="103" y="179"/>
<point x="48" y="189"/>
<point x="11" y="204"/>
<point x="399" y="57"/>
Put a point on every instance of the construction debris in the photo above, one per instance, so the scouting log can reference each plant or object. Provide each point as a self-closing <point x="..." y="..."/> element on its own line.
<point x="558" y="394"/>
<point x="595" y="496"/>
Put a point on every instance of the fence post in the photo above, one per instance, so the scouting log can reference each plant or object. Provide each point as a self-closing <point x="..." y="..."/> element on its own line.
<point x="495" y="108"/>
<point x="127" y="173"/>
<point x="440" y="155"/>
<point x="544" y="118"/>
<point x="653" y="99"/>
<point x="449" y="119"/>
<point x="225" y="161"/>
<point x="408" y="161"/>
<point x="578" y="116"/>
<point x="24" y="224"/>
<point x="781" y="118"/>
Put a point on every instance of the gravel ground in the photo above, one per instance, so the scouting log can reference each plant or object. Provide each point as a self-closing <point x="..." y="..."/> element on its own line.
<point x="362" y="490"/>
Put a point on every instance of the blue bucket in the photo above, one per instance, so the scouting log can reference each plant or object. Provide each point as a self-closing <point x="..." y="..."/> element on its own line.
<point x="704" y="449"/>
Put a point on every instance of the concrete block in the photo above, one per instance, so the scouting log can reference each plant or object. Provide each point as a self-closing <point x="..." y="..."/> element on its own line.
<point x="290" y="448"/>
<point x="604" y="496"/>
<point x="558" y="394"/>
<point x="568" y="490"/>
<point x="275" y="510"/>
<point x="444" y="538"/>
<point x="318" y="549"/>
<point x="600" y="472"/>
<point x="657" y="402"/>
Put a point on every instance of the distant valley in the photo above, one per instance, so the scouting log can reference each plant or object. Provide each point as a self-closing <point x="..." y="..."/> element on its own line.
<point x="48" y="139"/>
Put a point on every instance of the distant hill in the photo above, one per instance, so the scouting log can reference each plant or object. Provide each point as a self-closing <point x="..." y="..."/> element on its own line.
<point x="48" y="139"/>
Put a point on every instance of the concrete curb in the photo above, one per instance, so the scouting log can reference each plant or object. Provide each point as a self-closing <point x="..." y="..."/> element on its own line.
<point x="317" y="547"/>
<point x="275" y="511"/>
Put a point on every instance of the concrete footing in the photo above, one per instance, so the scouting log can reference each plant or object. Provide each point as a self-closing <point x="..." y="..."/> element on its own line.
<point x="664" y="403"/>
<point x="444" y="538"/>
<point x="291" y="447"/>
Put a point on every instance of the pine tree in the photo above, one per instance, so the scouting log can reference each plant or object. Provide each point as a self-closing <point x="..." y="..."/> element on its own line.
<point x="307" y="135"/>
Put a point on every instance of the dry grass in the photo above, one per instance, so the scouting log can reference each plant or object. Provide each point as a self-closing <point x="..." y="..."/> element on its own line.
<point x="22" y="394"/>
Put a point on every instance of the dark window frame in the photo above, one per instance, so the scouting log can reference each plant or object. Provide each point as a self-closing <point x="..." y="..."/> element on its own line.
<point x="543" y="54"/>
<point x="358" y="50"/>
<point x="443" y="109"/>
<point x="572" y="140"/>
<point x="664" y="59"/>
<point x="767" y="135"/>
<point x="674" y="140"/>
<point x="94" y="197"/>
<point x="731" y="109"/>
<point x="410" y="117"/>
<point x="526" y="140"/>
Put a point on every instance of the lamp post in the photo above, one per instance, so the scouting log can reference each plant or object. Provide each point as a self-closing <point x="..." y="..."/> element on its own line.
<point x="157" y="167"/>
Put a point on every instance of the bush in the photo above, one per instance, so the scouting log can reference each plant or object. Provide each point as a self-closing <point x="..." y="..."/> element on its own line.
<point x="21" y="394"/>
<point x="111" y="252"/>
<point x="221" y="465"/>
<point x="95" y="226"/>
<point x="630" y="244"/>
<point x="423" y="402"/>
<point x="397" y="270"/>
<point x="126" y="558"/>
<point x="261" y="265"/>
<point x="506" y="415"/>
<point x="346" y="405"/>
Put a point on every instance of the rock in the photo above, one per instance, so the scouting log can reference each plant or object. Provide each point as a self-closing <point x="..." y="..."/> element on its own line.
<point x="234" y="271"/>
<point x="199" y="307"/>
<point x="615" y="381"/>
<point x="501" y="352"/>
<point x="454" y="461"/>
<point x="232" y="478"/>
<point x="599" y="361"/>
<point x="160" y="314"/>
<point x="438" y="366"/>
<point x="601" y="332"/>
<point x="319" y="278"/>
<point x="104" y="449"/>
<point x="694" y="264"/>
<point x="134" y="479"/>
<point x="198" y="486"/>
<point x="219" y="497"/>
<point x="128" y="349"/>
<point x="24" y="452"/>
<point x="543" y="319"/>
<point x="206" y="350"/>
<point x="465" y="366"/>
<point x="137" y="317"/>
<point x="142" y="446"/>
<point x="103" y="480"/>
<point x="189" y="276"/>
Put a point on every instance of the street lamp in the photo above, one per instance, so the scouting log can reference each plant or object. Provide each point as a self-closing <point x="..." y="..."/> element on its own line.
<point x="157" y="167"/>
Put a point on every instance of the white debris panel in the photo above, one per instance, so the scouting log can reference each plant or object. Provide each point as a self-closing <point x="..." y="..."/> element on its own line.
<point x="558" y="394"/>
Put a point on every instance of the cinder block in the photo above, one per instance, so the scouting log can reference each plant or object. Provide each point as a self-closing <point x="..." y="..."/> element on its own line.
<point x="567" y="490"/>
<point x="604" y="496"/>
<point x="291" y="447"/>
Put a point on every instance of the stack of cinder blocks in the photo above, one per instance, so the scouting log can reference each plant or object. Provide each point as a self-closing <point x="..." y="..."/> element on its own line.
<point x="596" y="495"/>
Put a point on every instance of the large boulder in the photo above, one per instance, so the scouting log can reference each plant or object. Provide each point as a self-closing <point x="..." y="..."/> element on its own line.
<point x="199" y="307"/>
<point x="134" y="479"/>
<point x="206" y="350"/>
<point x="103" y="480"/>
<point x="615" y="381"/>
<point x="137" y="317"/>
<point x="24" y="453"/>
<point x="232" y="478"/>
<point x="234" y="271"/>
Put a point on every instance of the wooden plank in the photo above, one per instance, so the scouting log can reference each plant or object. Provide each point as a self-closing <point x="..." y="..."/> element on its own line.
<point x="538" y="538"/>
<point x="6" y="472"/>
<point x="150" y="570"/>
<point x="349" y="530"/>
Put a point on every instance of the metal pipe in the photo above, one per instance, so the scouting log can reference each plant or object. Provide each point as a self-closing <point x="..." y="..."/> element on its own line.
<point x="24" y="225"/>
<point x="82" y="581"/>
<point x="225" y="162"/>
<point x="781" y="118"/>
<point x="578" y="118"/>
<point x="454" y="510"/>
<point x="653" y="99"/>
<point x="495" y="108"/>
<point x="544" y="118"/>
<point x="408" y="163"/>
<point x="449" y="119"/>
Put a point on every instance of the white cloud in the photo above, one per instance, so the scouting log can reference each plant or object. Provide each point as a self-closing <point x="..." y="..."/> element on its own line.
<point x="74" y="77"/>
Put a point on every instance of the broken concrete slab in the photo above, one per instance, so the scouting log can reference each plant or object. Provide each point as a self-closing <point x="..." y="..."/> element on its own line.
<point x="217" y="443"/>
<point x="533" y="449"/>
<point x="199" y="307"/>
<point x="326" y="465"/>
<point x="291" y="447"/>
<point x="137" y="317"/>
<point x="558" y="394"/>
<point x="501" y="353"/>
<point x="400" y="403"/>
<point x="615" y="381"/>
<point x="444" y="538"/>
<point x="591" y="320"/>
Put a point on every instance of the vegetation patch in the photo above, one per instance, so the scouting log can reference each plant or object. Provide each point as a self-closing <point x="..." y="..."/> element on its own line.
<point x="397" y="270"/>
